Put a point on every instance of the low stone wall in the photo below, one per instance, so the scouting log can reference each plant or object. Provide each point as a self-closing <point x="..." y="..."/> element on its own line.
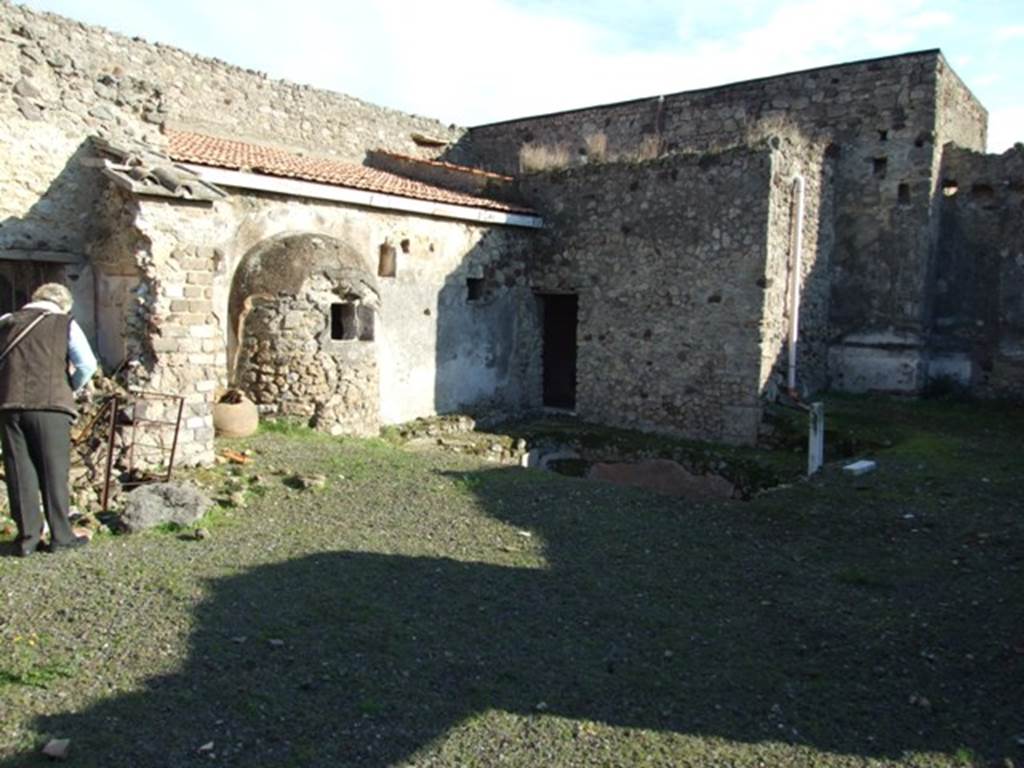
<point x="670" y="261"/>
<point x="978" y="332"/>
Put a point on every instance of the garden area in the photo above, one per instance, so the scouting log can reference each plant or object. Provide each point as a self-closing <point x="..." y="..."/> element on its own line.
<point x="413" y="605"/>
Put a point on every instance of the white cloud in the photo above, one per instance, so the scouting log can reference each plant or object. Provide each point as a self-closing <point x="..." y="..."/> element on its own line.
<point x="1005" y="127"/>
<point x="1005" y="34"/>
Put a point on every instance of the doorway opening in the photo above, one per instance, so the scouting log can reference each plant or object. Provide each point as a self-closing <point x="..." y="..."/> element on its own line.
<point x="560" y="313"/>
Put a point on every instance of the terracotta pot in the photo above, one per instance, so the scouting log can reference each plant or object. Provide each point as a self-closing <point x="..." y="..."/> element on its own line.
<point x="235" y="419"/>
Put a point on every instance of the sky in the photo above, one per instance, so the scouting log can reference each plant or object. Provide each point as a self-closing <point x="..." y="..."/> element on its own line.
<point x="470" y="62"/>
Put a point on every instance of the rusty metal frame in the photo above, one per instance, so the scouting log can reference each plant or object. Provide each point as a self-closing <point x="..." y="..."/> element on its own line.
<point x="138" y="397"/>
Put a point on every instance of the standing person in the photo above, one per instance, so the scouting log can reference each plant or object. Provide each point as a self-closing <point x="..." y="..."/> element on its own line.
<point x="40" y="343"/>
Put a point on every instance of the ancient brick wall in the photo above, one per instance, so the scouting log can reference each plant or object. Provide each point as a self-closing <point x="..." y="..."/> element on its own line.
<point x="669" y="260"/>
<point x="978" y="326"/>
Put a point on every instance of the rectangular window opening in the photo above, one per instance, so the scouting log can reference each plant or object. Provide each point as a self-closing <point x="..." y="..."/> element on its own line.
<point x="387" y="263"/>
<point x="879" y="166"/>
<point x="344" y="325"/>
<point x="474" y="288"/>
<point x="903" y="193"/>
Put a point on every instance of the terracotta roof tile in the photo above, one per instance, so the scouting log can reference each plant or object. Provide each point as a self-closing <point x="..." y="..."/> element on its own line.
<point x="451" y="166"/>
<point x="188" y="147"/>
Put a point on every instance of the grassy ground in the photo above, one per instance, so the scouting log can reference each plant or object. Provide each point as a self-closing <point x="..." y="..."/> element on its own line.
<point x="429" y="609"/>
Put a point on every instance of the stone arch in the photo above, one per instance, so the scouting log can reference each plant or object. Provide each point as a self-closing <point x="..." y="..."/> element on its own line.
<point x="301" y="336"/>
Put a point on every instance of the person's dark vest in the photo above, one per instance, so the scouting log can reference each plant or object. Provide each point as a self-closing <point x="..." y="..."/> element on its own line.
<point x="34" y="376"/>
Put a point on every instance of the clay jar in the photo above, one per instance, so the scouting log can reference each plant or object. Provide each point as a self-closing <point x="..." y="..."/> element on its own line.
<point x="235" y="416"/>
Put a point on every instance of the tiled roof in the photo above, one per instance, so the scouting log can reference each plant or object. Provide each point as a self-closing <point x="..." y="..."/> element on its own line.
<point x="188" y="147"/>
<point x="451" y="166"/>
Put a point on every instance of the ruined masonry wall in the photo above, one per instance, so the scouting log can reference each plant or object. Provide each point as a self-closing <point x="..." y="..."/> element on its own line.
<point x="62" y="81"/>
<point x="437" y="352"/>
<point x="287" y="361"/>
<point x="978" y="331"/>
<point x="884" y="119"/>
<point x="668" y="260"/>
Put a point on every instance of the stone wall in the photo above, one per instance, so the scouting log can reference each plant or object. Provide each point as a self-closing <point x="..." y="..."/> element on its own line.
<point x="290" y="363"/>
<point x="62" y="81"/>
<point x="882" y="118"/>
<point x="794" y="159"/>
<point x="978" y="330"/>
<point x="669" y="260"/>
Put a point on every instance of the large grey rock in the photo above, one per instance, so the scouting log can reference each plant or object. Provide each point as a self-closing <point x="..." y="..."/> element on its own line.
<point x="159" y="503"/>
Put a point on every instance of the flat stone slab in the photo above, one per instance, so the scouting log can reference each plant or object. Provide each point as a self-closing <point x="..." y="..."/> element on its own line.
<point x="664" y="476"/>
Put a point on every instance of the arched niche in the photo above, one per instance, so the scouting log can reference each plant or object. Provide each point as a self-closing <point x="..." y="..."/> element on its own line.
<point x="302" y="315"/>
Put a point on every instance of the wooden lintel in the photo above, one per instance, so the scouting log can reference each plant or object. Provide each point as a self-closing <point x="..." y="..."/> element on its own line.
<point x="25" y="254"/>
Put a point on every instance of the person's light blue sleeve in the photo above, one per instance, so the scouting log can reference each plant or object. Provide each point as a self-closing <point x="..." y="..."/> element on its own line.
<point x="80" y="356"/>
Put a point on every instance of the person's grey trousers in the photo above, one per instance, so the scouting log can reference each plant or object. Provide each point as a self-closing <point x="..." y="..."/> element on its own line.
<point x="37" y="458"/>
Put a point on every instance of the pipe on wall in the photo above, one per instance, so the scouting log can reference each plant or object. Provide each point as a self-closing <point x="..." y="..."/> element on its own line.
<point x="794" y="290"/>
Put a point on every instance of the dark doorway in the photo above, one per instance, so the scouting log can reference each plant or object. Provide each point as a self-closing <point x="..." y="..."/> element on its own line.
<point x="560" y="316"/>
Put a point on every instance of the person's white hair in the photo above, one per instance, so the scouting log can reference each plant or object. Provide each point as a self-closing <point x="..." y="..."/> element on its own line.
<point x="56" y="293"/>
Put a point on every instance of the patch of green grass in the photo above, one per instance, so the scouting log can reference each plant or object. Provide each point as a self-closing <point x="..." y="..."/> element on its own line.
<point x="287" y="427"/>
<point x="860" y="577"/>
<point x="466" y="483"/>
<point x="967" y="757"/>
<point x="28" y="661"/>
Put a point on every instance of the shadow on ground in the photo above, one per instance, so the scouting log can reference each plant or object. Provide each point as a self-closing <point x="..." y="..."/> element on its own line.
<point x="757" y="626"/>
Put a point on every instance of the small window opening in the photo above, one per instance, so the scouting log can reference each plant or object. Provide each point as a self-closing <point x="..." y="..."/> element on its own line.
<point x="903" y="193"/>
<point x="404" y="245"/>
<point x="883" y="135"/>
<point x="879" y="166"/>
<point x="387" y="262"/>
<point x="344" y="325"/>
<point x="474" y="288"/>
<point x="351" y="321"/>
<point x="950" y="187"/>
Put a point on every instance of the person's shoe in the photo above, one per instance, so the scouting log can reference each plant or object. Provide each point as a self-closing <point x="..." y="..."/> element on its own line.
<point x="75" y="543"/>
<point x="26" y="547"/>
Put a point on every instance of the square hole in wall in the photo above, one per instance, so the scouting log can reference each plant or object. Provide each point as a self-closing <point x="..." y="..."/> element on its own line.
<point x="903" y="193"/>
<point x="344" y="323"/>
<point x="387" y="261"/>
<point x="474" y="288"/>
<point x="879" y="166"/>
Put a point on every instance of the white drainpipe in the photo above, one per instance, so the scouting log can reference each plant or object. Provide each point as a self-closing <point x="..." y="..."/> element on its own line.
<point x="794" y="291"/>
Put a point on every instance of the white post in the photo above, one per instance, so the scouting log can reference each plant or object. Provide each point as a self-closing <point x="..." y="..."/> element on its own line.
<point x="815" y="438"/>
